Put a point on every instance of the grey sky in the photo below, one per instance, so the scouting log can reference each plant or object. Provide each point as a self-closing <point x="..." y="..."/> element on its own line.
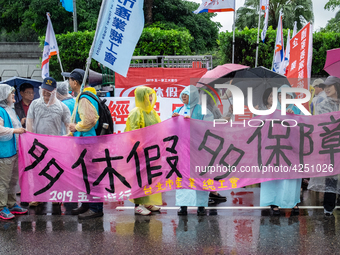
<point x="321" y="16"/>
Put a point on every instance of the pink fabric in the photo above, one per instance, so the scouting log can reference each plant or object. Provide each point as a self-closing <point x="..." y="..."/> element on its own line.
<point x="123" y="151"/>
<point x="332" y="65"/>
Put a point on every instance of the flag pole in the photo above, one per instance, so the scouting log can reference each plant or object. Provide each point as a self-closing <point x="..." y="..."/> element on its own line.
<point x="258" y="35"/>
<point x="88" y="62"/>
<point x="75" y="16"/>
<point x="234" y="36"/>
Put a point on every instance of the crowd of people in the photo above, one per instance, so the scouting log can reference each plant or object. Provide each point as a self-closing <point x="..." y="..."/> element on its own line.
<point x="57" y="113"/>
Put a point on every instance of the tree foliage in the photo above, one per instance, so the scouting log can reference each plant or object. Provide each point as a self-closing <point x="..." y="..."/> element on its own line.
<point x="300" y="11"/>
<point x="332" y="4"/>
<point x="245" y="48"/>
<point x="180" y="13"/>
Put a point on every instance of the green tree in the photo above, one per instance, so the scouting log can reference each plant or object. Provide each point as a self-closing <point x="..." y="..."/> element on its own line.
<point x="180" y="13"/>
<point x="300" y="11"/>
<point x="333" y="25"/>
<point x="332" y="4"/>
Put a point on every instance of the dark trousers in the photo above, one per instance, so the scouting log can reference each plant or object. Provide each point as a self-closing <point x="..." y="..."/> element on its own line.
<point x="96" y="207"/>
<point x="329" y="199"/>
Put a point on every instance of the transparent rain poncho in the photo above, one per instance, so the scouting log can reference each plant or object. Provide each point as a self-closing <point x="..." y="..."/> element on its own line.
<point x="6" y="102"/>
<point x="330" y="183"/>
<point x="141" y="116"/>
<point x="62" y="90"/>
<point x="47" y="118"/>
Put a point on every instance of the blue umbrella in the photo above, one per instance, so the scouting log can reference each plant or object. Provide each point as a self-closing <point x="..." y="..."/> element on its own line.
<point x="17" y="81"/>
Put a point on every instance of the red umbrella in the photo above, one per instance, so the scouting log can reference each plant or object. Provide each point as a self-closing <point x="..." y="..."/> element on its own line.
<point x="222" y="71"/>
<point x="332" y="65"/>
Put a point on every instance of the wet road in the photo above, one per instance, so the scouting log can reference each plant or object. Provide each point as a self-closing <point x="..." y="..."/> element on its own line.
<point x="237" y="226"/>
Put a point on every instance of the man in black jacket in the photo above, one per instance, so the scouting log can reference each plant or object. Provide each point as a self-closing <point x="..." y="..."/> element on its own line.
<point x="21" y="107"/>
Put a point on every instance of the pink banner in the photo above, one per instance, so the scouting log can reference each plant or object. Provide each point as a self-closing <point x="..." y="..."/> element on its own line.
<point x="178" y="153"/>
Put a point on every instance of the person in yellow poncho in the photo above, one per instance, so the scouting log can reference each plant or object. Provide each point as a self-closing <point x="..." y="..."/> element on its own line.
<point x="141" y="116"/>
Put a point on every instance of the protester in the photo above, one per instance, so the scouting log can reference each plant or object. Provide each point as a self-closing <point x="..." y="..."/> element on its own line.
<point x="144" y="115"/>
<point x="10" y="128"/>
<point x="267" y="99"/>
<point x="64" y="96"/>
<point x="21" y="107"/>
<point x="75" y="80"/>
<point x="47" y="115"/>
<point x="320" y="94"/>
<point x="329" y="184"/>
<point x="282" y="193"/>
<point x="191" y="109"/>
<point x="86" y="118"/>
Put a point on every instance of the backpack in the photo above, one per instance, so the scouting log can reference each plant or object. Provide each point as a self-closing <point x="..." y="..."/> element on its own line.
<point x="104" y="114"/>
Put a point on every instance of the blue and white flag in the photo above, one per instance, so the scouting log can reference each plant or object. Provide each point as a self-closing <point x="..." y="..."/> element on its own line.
<point x="285" y="61"/>
<point x="120" y="28"/>
<point x="265" y="26"/>
<point x="216" y="6"/>
<point x="68" y="5"/>
<point x="279" y="47"/>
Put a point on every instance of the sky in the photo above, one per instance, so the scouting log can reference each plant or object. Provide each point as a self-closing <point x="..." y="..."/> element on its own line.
<point x="321" y="16"/>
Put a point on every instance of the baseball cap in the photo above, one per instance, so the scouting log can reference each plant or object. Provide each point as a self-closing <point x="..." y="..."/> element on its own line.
<point x="49" y="84"/>
<point x="317" y="82"/>
<point x="77" y="74"/>
<point x="331" y="80"/>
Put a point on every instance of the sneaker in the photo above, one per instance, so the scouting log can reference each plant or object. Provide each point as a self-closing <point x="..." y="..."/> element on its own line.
<point x="152" y="208"/>
<point x="34" y="203"/>
<point x="142" y="210"/>
<point x="90" y="214"/>
<point x="16" y="209"/>
<point x="327" y="213"/>
<point x="6" y="214"/>
<point x="80" y="210"/>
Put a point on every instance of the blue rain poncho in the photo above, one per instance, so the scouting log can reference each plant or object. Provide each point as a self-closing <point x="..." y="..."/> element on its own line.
<point x="193" y="109"/>
<point x="282" y="193"/>
<point x="187" y="197"/>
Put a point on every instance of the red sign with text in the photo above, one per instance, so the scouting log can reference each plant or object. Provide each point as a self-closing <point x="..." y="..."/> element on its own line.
<point x="300" y="63"/>
<point x="167" y="82"/>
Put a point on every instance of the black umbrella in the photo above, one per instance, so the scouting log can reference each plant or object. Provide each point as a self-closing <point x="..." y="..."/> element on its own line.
<point x="17" y="81"/>
<point x="259" y="78"/>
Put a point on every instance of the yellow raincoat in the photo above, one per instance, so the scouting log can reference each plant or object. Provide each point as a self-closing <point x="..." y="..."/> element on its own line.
<point x="141" y="116"/>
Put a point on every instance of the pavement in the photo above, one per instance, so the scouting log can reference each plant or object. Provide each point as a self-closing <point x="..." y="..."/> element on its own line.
<point x="238" y="226"/>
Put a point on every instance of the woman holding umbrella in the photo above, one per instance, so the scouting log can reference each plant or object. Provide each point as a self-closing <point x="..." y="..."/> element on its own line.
<point x="281" y="193"/>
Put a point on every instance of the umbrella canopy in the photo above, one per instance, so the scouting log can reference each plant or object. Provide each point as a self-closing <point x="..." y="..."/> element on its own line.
<point x="332" y="65"/>
<point x="17" y="81"/>
<point x="222" y="71"/>
<point x="259" y="78"/>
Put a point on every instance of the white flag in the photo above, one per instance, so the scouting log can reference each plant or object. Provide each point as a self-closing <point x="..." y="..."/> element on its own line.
<point x="264" y="4"/>
<point x="50" y="48"/>
<point x="216" y="6"/>
<point x="279" y="46"/>
<point x="285" y="61"/>
<point x="295" y="29"/>
<point x="265" y="26"/>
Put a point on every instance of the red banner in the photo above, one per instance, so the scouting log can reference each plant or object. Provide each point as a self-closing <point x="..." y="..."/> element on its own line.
<point x="167" y="82"/>
<point x="300" y="63"/>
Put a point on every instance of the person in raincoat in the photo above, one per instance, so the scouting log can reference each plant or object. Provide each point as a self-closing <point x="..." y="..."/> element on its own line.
<point x="144" y="115"/>
<point x="64" y="96"/>
<point x="10" y="128"/>
<point x="329" y="184"/>
<point x="86" y="117"/>
<point x="282" y="193"/>
<point x="47" y="115"/>
<point x="191" y="109"/>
